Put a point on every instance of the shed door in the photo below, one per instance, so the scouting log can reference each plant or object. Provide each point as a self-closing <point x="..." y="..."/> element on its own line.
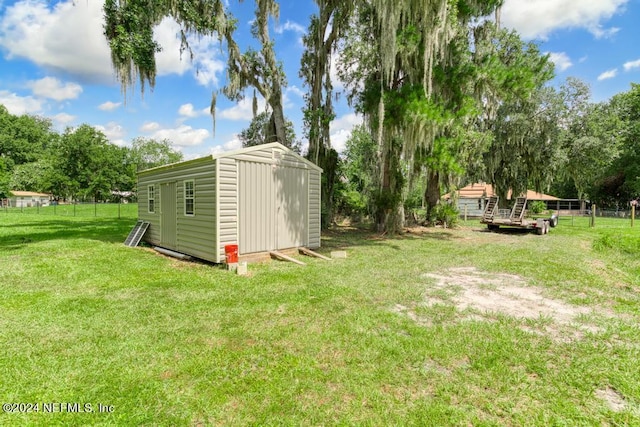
<point x="256" y="207"/>
<point x="272" y="207"/>
<point x="292" y="206"/>
<point x="168" y="214"/>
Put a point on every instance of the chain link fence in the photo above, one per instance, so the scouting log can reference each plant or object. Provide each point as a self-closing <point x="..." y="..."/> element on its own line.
<point x="96" y="210"/>
<point x="614" y="218"/>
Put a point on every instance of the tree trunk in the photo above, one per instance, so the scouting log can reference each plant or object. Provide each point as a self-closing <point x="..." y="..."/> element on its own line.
<point x="277" y="117"/>
<point x="432" y="193"/>
<point x="328" y="161"/>
<point x="389" y="212"/>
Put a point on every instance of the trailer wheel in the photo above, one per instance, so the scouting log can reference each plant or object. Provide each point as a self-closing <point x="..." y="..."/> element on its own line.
<point x="540" y="231"/>
<point x="546" y="227"/>
<point x="553" y="221"/>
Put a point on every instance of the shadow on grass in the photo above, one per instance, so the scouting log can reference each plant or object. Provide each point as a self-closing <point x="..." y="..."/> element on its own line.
<point x="14" y="236"/>
<point x="508" y="231"/>
<point x="339" y="237"/>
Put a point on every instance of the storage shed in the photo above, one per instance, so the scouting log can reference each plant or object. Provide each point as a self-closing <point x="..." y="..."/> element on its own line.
<point x="27" y="199"/>
<point x="260" y="198"/>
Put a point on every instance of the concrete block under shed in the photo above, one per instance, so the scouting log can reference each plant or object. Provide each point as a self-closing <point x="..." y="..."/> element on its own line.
<point x="339" y="254"/>
<point x="242" y="269"/>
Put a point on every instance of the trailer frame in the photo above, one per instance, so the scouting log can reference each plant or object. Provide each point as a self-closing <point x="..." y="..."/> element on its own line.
<point x="516" y="218"/>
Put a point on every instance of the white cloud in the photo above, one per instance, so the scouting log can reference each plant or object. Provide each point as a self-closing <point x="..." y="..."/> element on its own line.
<point x="628" y="66"/>
<point x="109" y="106"/>
<point x="233" y="144"/>
<point x="243" y="110"/>
<point x="287" y="102"/>
<point x="114" y="132"/>
<point x="601" y="33"/>
<point x="67" y="37"/>
<point x="561" y="60"/>
<point x="52" y="88"/>
<point x="187" y="110"/>
<point x="340" y="130"/>
<point x="150" y="127"/>
<point x="181" y="136"/>
<point x="336" y="59"/>
<point x="63" y="118"/>
<point x="290" y="26"/>
<point x="19" y="105"/>
<point x="295" y="90"/>
<point x="205" y="64"/>
<point x="207" y="67"/>
<point x="608" y="74"/>
<point x="168" y="60"/>
<point x="537" y="19"/>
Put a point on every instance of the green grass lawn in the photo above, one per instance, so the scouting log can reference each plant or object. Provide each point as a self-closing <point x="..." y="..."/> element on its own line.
<point x="374" y="339"/>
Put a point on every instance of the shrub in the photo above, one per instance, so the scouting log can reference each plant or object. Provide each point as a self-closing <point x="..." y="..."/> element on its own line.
<point x="537" y="207"/>
<point x="444" y="214"/>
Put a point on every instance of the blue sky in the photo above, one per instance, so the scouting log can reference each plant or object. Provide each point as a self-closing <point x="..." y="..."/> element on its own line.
<point x="54" y="62"/>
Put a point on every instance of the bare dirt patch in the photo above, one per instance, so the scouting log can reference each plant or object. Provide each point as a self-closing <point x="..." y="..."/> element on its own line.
<point x="479" y="295"/>
<point x="612" y="398"/>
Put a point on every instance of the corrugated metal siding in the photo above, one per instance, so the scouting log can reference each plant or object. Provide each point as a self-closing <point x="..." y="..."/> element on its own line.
<point x="256" y="207"/>
<point x="195" y="235"/>
<point x="273" y="206"/>
<point x="291" y="207"/>
<point x="261" y="155"/>
<point x="314" y="209"/>
<point x="227" y="204"/>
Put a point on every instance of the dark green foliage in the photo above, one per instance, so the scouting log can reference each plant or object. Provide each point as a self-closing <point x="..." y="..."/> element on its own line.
<point x="260" y="131"/>
<point x="445" y="214"/>
<point x="148" y="153"/>
<point x="329" y="161"/>
<point x="24" y="138"/>
<point x="358" y="169"/>
<point x="621" y="181"/>
<point x="537" y="207"/>
<point x="88" y="166"/>
<point x="78" y="164"/>
<point x="129" y="25"/>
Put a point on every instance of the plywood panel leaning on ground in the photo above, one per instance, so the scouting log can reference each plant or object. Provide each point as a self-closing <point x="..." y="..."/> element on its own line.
<point x="260" y="198"/>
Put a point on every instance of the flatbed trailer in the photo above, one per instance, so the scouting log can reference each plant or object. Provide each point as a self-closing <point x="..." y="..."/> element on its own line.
<point x="516" y="218"/>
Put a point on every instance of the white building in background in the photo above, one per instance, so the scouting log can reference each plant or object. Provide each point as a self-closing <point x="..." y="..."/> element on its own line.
<point x="27" y="199"/>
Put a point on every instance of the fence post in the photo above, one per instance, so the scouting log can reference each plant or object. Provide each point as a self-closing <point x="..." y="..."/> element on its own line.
<point x="465" y="213"/>
<point x="95" y="208"/>
<point x="633" y="214"/>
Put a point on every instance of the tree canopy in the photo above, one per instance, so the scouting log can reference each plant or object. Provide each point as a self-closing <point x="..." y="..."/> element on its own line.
<point x="78" y="164"/>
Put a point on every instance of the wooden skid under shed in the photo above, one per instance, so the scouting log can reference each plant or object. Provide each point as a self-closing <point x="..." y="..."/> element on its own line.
<point x="284" y="257"/>
<point x="309" y="252"/>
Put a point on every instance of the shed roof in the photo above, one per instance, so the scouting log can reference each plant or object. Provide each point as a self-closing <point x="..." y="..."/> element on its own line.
<point x="479" y="190"/>
<point x="235" y="153"/>
<point x="18" y="193"/>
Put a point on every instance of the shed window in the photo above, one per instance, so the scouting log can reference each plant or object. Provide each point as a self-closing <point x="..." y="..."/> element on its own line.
<point x="151" y="198"/>
<point x="189" y="197"/>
